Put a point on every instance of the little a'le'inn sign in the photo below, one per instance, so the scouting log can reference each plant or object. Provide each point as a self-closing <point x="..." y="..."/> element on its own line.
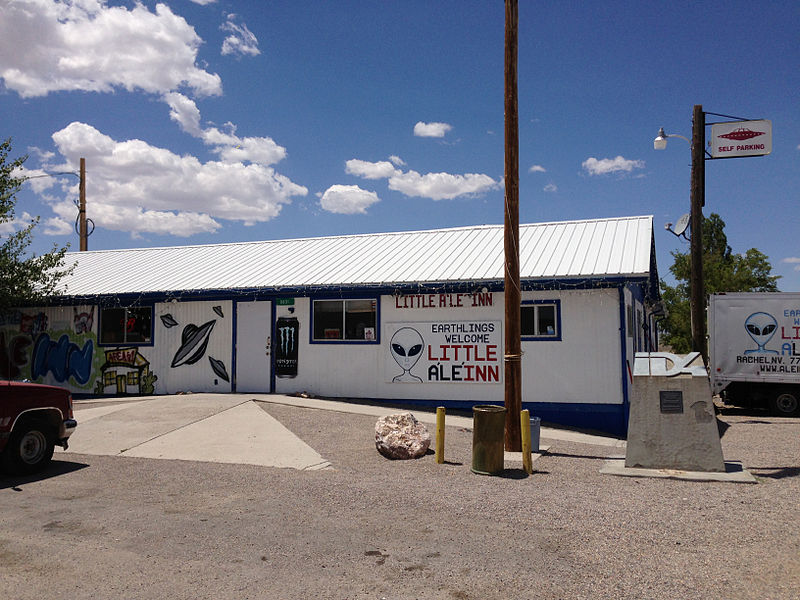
<point x="741" y="138"/>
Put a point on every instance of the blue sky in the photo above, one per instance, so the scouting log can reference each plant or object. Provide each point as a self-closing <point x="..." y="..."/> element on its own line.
<point x="207" y="121"/>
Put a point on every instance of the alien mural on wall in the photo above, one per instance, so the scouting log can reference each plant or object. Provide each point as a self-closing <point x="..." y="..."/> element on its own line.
<point x="406" y="347"/>
<point x="448" y="352"/>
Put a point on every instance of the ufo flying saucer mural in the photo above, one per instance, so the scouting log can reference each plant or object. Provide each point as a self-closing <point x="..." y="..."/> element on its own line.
<point x="168" y="320"/>
<point x="194" y="341"/>
<point x="219" y="368"/>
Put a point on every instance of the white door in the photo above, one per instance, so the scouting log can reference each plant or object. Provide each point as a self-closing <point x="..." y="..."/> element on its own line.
<point x="253" y="346"/>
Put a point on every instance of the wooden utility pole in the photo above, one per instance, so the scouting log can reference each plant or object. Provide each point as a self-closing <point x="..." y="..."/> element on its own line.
<point x="82" y="232"/>
<point x="698" y="189"/>
<point x="513" y="346"/>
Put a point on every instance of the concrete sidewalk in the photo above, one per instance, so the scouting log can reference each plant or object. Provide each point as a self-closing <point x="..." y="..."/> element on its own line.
<point x="223" y="428"/>
<point x="429" y="416"/>
<point x="232" y="428"/>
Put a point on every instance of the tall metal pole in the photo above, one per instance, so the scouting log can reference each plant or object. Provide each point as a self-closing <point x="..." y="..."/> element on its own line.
<point x="513" y="349"/>
<point x="82" y="232"/>
<point x="698" y="185"/>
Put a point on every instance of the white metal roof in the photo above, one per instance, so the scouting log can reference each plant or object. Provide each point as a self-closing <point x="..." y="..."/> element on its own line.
<point x="571" y="249"/>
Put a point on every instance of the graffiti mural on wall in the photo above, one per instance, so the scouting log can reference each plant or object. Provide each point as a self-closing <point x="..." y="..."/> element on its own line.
<point x="59" y="346"/>
<point x="13" y="355"/>
<point x="33" y="325"/>
<point x="194" y="344"/>
<point x="30" y="349"/>
<point x="82" y="322"/>
<point x="64" y="359"/>
<point x="123" y="369"/>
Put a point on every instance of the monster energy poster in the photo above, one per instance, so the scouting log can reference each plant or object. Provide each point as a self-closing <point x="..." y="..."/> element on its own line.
<point x="287" y="332"/>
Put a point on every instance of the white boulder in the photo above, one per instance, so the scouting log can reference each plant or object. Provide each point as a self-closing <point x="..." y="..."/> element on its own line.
<point x="401" y="436"/>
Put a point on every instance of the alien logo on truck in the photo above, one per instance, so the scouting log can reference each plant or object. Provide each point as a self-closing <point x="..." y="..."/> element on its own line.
<point x="761" y="327"/>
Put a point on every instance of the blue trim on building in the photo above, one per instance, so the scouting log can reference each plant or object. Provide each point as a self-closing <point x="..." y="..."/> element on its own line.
<point x="270" y="292"/>
<point x="605" y="418"/>
<point x="234" y="340"/>
<point x="545" y="338"/>
<point x="274" y="320"/>
<point x="343" y="297"/>
<point x="126" y="344"/>
<point x="623" y="338"/>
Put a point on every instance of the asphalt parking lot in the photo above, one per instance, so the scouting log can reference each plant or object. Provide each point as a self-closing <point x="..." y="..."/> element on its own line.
<point x="114" y="524"/>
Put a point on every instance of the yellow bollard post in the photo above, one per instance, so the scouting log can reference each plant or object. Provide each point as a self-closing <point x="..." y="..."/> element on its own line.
<point x="525" y="428"/>
<point x="440" y="434"/>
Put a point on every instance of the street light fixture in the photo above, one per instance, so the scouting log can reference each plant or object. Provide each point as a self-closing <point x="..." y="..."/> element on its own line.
<point x="660" y="143"/>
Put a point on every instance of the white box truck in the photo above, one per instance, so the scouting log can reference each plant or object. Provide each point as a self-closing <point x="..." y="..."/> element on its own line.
<point x="754" y="349"/>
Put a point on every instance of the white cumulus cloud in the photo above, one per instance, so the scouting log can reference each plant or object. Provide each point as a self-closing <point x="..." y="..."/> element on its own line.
<point x="793" y="260"/>
<point x="139" y="188"/>
<point x="229" y="146"/>
<point x="604" y="166"/>
<point x="550" y="187"/>
<point x="57" y="226"/>
<point x="347" y="199"/>
<point x="370" y="170"/>
<point x="537" y="169"/>
<point x="184" y="112"/>
<point x="436" y="186"/>
<point x="48" y="46"/>
<point x="241" y="41"/>
<point x="441" y="186"/>
<point x="431" y="129"/>
<point x="50" y="226"/>
<point x="16" y="222"/>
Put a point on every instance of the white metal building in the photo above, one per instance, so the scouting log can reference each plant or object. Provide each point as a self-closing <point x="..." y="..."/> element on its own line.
<point x="407" y="317"/>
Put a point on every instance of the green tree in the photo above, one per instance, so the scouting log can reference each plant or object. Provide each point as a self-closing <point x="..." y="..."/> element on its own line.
<point x="723" y="271"/>
<point x="25" y="278"/>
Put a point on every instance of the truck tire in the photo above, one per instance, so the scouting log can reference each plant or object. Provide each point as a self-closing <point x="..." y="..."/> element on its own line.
<point x="30" y="448"/>
<point x="786" y="403"/>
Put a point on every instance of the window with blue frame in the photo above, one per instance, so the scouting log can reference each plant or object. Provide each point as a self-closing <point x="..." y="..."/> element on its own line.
<point x="125" y="326"/>
<point x="347" y="320"/>
<point x="540" y="320"/>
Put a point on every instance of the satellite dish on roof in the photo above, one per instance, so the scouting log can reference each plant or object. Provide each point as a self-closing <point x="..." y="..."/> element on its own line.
<point x="681" y="225"/>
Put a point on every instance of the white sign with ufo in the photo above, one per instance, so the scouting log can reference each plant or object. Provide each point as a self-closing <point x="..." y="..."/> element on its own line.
<point x="741" y="138"/>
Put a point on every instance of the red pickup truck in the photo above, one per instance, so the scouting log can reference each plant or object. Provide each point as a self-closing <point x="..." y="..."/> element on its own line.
<point x="33" y="419"/>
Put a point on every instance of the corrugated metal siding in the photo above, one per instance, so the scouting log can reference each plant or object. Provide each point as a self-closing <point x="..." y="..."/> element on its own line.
<point x="575" y="249"/>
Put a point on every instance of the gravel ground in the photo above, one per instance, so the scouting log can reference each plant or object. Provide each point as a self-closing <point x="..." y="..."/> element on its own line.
<point x="114" y="527"/>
